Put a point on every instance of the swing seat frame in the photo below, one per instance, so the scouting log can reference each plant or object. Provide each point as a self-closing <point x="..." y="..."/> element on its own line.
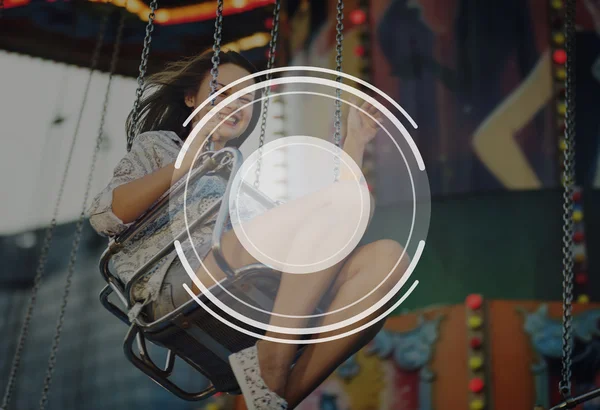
<point x="190" y="332"/>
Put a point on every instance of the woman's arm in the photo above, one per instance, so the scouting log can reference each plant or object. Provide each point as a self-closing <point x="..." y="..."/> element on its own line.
<point x="356" y="151"/>
<point x="494" y="141"/>
<point x="134" y="198"/>
<point x="360" y="131"/>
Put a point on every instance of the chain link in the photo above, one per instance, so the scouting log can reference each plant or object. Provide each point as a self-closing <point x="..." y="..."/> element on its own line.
<point x="41" y="267"/>
<point x="214" y="72"/>
<point x="270" y="63"/>
<point x="79" y="226"/>
<point x="339" y="38"/>
<point x="568" y="182"/>
<point x="142" y="72"/>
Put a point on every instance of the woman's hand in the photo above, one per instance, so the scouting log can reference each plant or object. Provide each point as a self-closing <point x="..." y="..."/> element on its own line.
<point x="202" y="139"/>
<point x="197" y="145"/>
<point x="361" y="127"/>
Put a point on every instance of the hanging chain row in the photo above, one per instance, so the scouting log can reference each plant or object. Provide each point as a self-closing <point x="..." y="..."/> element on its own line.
<point x="80" y="221"/>
<point x="568" y="182"/>
<point x="270" y="63"/>
<point x="50" y="230"/>
<point x="339" y="38"/>
<point x="142" y="72"/>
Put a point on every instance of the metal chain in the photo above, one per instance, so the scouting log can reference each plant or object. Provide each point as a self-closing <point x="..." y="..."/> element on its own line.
<point x="339" y="38"/>
<point x="41" y="267"/>
<point x="270" y="63"/>
<point x="568" y="182"/>
<point x="214" y="72"/>
<point x="79" y="226"/>
<point x="142" y="72"/>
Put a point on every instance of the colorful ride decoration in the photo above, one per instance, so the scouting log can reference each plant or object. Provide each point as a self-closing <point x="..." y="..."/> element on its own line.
<point x="545" y="334"/>
<point x="392" y="372"/>
<point x="483" y="354"/>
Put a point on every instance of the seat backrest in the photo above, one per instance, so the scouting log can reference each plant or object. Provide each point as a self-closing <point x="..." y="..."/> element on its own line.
<point x="222" y="163"/>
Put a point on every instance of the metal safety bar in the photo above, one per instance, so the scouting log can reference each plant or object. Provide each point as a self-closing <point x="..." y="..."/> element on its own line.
<point x="155" y="373"/>
<point x="577" y="400"/>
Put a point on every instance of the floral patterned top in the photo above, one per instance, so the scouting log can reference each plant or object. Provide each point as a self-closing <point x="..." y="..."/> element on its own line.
<point x="151" y="151"/>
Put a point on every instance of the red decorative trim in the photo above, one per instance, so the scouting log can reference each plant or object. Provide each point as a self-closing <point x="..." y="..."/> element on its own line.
<point x="476" y="363"/>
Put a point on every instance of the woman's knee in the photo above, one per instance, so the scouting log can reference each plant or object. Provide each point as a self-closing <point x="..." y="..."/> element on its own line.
<point x="389" y="248"/>
<point x="387" y="262"/>
<point x="348" y="197"/>
<point x="380" y="261"/>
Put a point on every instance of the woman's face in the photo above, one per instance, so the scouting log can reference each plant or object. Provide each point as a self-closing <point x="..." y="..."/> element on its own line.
<point x="237" y="123"/>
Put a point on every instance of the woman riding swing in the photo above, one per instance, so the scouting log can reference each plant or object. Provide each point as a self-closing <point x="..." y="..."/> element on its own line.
<point x="264" y="372"/>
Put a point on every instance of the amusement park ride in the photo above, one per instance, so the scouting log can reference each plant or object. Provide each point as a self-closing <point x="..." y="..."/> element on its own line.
<point x="484" y="354"/>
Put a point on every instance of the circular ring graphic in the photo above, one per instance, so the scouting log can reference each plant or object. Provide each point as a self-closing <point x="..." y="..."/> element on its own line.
<point x="390" y="116"/>
<point x="190" y="272"/>
<point x="258" y="324"/>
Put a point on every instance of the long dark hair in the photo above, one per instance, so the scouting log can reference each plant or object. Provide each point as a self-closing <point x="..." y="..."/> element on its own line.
<point x="162" y="106"/>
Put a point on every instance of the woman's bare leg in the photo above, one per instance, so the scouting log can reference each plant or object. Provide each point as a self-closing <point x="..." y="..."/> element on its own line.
<point x="298" y="294"/>
<point x="305" y="219"/>
<point x="284" y="221"/>
<point x="364" y="269"/>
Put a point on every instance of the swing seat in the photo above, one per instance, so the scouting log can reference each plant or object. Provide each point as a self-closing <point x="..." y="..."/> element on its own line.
<point x="190" y="332"/>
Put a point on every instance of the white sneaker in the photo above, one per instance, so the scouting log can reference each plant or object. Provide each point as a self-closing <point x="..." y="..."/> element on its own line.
<point x="247" y="373"/>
